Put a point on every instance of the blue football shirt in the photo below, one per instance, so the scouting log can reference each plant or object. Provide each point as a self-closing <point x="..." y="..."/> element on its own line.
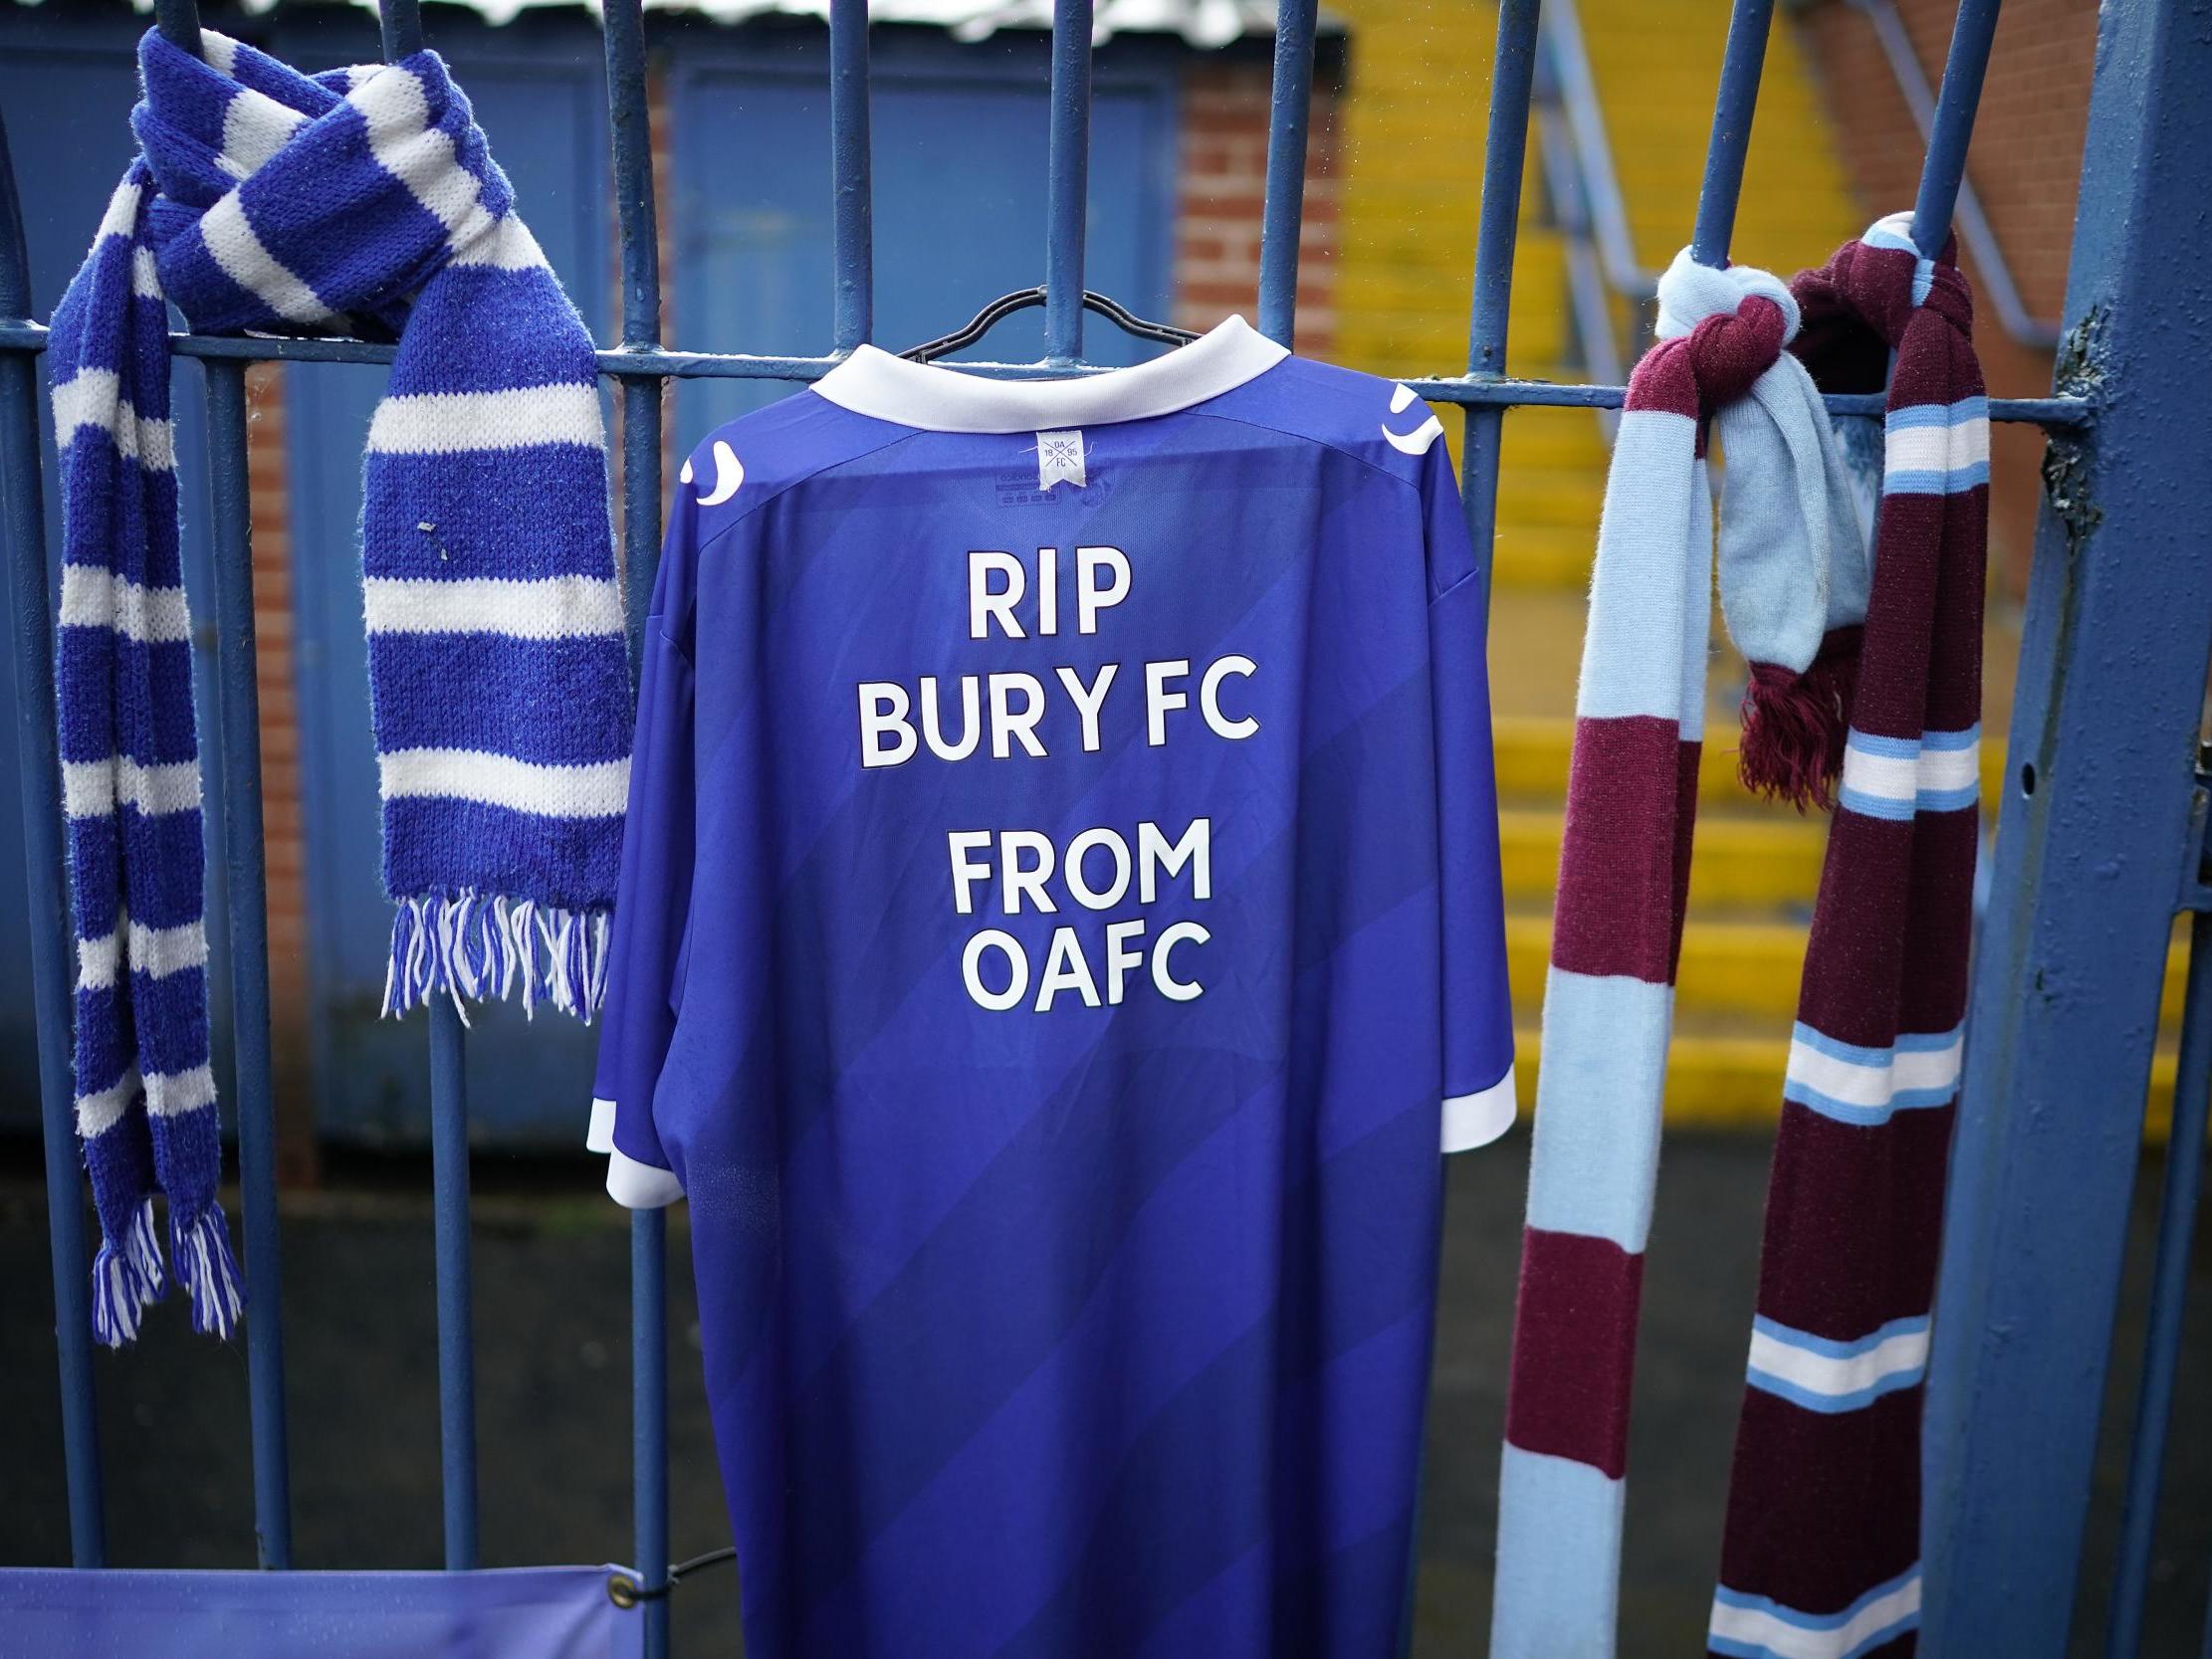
<point x="1059" y="927"/>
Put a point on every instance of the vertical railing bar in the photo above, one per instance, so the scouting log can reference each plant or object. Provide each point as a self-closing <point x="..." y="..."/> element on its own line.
<point x="401" y="23"/>
<point x="179" y="20"/>
<point x="852" y="225"/>
<point x="638" y="215"/>
<point x="1734" y="105"/>
<point x="632" y="120"/>
<point x="39" y="783"/>
<point x="1067" y="186"/>
<point x="1955" y="104"/>
<point x="1512" y="88"/>
<point x="649" y="1418"/>
<point x="1992" y="272"/>
<point x="230" y="509"/>
<point x="2169" y="1283"/>
<point x="449" y="1203"/>
<point x="1289" y="123"/>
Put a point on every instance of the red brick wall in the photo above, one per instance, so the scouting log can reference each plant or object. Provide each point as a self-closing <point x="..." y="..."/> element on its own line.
<point x="284" y="832"/>
<point x="1223" y="197"/>
<point x="2025" y="166"/>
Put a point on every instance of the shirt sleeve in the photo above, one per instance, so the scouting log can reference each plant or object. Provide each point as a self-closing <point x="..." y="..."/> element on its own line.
<point x="1478" y="1104"/>
<point x="651" y="916"/>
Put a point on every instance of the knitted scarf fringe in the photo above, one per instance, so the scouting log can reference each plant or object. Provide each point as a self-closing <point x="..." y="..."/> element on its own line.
<point x="127" y="1278"/>
<point x="200" y="1247"/>
<point x="475" y="947"/>
<point x="1794" y="725"/>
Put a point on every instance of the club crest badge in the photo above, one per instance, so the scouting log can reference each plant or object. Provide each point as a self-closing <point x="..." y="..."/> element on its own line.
<point x="1060" y="459"/>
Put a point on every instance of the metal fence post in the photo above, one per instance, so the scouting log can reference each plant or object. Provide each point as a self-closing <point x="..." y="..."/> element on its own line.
<point x="631" y="117"/>
<point x="1498" y="229"/>
<point x="853" y="211"/>
<point x="2093" y="840"/>
<point x="400" y="23"/>
<point x="39" y="781"/>
<point x="230" y="514"/>
<point x="1734" y="105"/>
<point x="1289" y="124"/>
<point x="230" y="509"/>
<point x="1067" y="182"/>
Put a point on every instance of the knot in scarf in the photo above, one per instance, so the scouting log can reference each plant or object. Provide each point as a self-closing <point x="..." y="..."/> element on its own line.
<point x="1793" y="561"/>
<point x="1736" y="319"/>
<point x="357" y="201"/>
<point x="294" y="203"/>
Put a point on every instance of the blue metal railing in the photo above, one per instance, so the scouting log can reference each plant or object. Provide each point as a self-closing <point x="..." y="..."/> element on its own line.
<point x="1981" y="1539"/>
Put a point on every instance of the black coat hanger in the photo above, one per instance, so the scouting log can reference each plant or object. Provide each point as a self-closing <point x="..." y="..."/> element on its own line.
<point x="1026" y="299"/>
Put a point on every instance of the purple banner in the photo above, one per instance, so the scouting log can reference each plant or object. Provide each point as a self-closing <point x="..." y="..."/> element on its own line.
<point x="535" y="1612"/>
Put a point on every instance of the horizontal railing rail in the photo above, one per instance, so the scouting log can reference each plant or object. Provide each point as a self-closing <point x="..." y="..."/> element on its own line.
<point x="625" y="363"/>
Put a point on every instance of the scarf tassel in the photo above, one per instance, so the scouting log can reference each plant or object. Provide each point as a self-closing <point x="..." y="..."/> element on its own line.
<point x="127" y="1278"/>
<point x="208" y="1271"/>
<point x="476" y="949"/>
<point x="1795" y="724"/>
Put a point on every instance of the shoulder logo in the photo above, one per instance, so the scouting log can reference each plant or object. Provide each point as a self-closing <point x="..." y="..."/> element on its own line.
<point x="1416" y="442"/>
<point x="728" y="474"/>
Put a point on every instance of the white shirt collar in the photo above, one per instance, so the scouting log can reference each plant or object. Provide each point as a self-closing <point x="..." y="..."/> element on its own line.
<point x="876" y="383"/>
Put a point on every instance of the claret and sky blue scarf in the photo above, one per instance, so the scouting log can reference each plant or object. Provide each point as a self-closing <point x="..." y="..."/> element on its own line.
<point x="358" y="201"/>
<point x="1864" y="693"/>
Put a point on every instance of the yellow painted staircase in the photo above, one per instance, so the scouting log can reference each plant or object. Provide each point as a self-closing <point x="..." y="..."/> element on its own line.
<point x="1412" y="186"/>
<point x="1412" y="176"/>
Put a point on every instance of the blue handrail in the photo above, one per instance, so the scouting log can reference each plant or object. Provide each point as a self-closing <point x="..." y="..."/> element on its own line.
<point x="1574" y="89"/>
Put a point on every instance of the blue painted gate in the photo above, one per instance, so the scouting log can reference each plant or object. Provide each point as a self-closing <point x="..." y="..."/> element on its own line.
<point x="2101" y="839"/>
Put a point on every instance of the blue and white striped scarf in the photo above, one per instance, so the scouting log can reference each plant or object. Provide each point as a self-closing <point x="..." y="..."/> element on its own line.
<point x="358" y="201"/>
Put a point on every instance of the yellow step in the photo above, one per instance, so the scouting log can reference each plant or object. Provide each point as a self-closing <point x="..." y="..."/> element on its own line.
<point x="1739" y="863"/>
<point x="1567" y="496"/>
<point x="1539" y="558"/>
<point x="1533" y="753"/>
<point x="1733" y="1083"/>
<point x="1745" y="971"/>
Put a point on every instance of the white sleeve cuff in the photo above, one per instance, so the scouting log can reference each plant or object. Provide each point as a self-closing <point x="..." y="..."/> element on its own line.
<point x="1476" y="1120"/>
<point x="640" y="1186"/>
<point x="599" y="1138"/>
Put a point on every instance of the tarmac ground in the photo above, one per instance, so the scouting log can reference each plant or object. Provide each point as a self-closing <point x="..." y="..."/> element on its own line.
<point x="552" y="1278"/>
